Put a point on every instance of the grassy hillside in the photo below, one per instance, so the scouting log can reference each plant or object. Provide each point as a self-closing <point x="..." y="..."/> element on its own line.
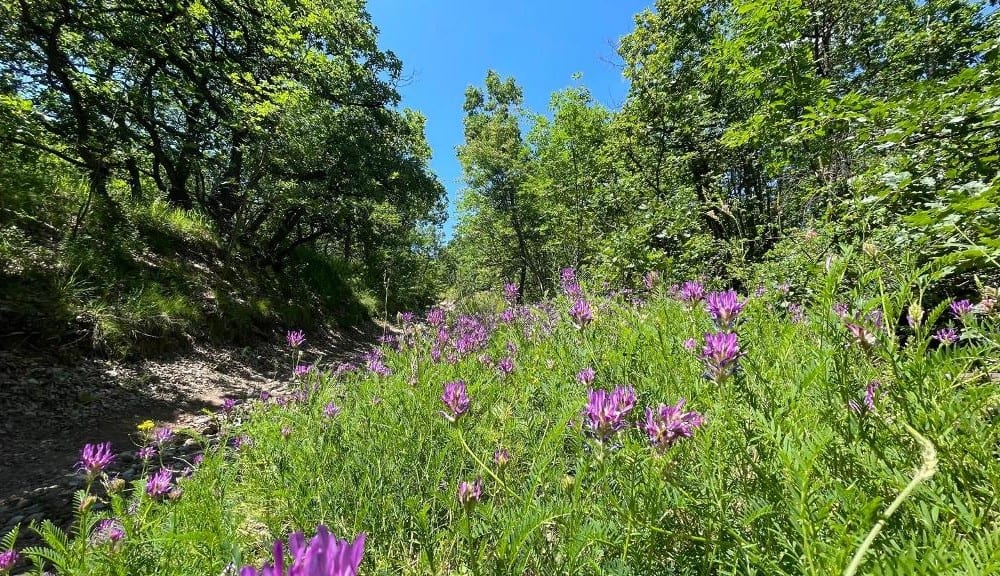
<point x="149" y="279"/>
<point x="854" y="429"/>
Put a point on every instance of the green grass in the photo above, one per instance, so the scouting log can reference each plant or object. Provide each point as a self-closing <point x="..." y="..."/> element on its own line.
<point x="782" y="478"/>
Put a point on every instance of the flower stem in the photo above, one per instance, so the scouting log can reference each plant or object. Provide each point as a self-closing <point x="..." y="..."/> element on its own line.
<point x="927" y="469"/>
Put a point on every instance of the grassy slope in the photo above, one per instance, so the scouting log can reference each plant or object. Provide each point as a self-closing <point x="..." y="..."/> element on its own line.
<point x="782" y="479"/>
<point x="153" y="281"/>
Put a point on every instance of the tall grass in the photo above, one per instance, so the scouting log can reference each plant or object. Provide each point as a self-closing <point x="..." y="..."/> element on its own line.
<point x="783" y="477"/>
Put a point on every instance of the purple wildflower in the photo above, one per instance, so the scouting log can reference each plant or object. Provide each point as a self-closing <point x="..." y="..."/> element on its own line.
<point x="580" y="312"/>
<point x="265" y="396"/>
<point x="94" y="458"/>
<point x="407" y="317"/>
<point x="471" y="334"/>
<point x="435" y="317"/>
<point x="162" y="435"/>
<point x="784" y="288"/>
<point x="586" y="376"/>
<point x="690" y="345"/>
<point x="146" y="453"/>
<point x="331" y="410"/>
<point x="508" y="316"/>
<point x="605" y="412"/>
<point x="456" y="400"/>
<point x="506" y="366"/>
<point x="376" y="364"/>
<point x="666" y="424"/>
<point x="198" y="459"/>
<point x="870" y="394"/>
<point x="108" y="530"/>
<point x="7" y="560"/>
<point x="961" y="308"/>
<point x="724" y="307"/>
<point x="302" y="369"/>
<point x="240" y="441"/>
<point x="691" y="292"/>
<point x="570" y="285"/>
<point x="324" y="555"/>
<point x="470" y="493"/>
<point x="759" y="291"/>
<point x="511" y="293"/>
<point x="946" y="336"/>
<point x="720" y="355"/>
<point x="228" y="404"/>
<point x="295" y="338"/>
<point x="501" y="457"/>
<point x="159" y="484"/>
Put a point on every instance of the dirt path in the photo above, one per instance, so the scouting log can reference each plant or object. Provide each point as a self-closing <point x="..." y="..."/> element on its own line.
<point x="50" y="409"/>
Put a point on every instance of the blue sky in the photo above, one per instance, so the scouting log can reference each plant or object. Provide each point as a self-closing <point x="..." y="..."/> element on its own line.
<point x="447" y="45"/>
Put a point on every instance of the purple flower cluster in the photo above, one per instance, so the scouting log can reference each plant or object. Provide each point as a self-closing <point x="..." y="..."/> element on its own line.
<point x="946" y="336"/>
<point x="146" y="453"/>
<point x="7" y="560"/>
<point x="435" y="317"/>
<point x="720" y="355"/>
<point x="469" y="334"/>
<point x="724" y="307"/>
<point x="508" y="315"/>
<point x="961" y="309"/>
<point x="228" y="404"/>
<point x="295" y="338"/>
<point x="606" y="412"/>
<point x="690" y="292"/>
<point x="666" y="424"/>
<point x="501" y="458"/>
<point x="375" y="362"/>
<point x="511" y="293"/>
<point x="159" y="484"/>
<point x="94" y="458"/>
<point x="470" y="493"/>
<point x="586" y="376"/>
<point x="323" y="555"/>
<point x="570" y="285"/>
<point x="108" y="531"/>
<point x="162" y="435"/>
<point x="506" y="366"/>
<point x="580" y="312"/>
<point x="330" y="410"/>
<point x="302" y="369"/>
<point x="456" y="400"/>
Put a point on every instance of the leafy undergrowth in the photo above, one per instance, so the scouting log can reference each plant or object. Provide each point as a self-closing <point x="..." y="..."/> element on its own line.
<point x="831" y="441"/>
<point x="152" y="279"/>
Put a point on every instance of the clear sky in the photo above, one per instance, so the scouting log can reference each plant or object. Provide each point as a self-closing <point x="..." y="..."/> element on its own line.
<point x="447" y="45"/>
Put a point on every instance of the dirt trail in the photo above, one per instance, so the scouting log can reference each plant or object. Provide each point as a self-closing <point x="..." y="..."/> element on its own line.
<point x="50" y="409"/>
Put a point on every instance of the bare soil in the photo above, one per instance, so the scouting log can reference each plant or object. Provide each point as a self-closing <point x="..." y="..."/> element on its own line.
<point x="50" y="407"/>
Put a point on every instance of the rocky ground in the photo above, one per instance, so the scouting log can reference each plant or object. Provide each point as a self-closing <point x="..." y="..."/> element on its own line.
<point x="50" y="407"/>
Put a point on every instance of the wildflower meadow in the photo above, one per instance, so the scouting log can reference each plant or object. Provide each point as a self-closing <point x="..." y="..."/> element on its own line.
<point x="658" y="430"/>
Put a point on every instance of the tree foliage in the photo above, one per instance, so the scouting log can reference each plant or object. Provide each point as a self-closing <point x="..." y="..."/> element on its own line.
<point x="749" y="121"/>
